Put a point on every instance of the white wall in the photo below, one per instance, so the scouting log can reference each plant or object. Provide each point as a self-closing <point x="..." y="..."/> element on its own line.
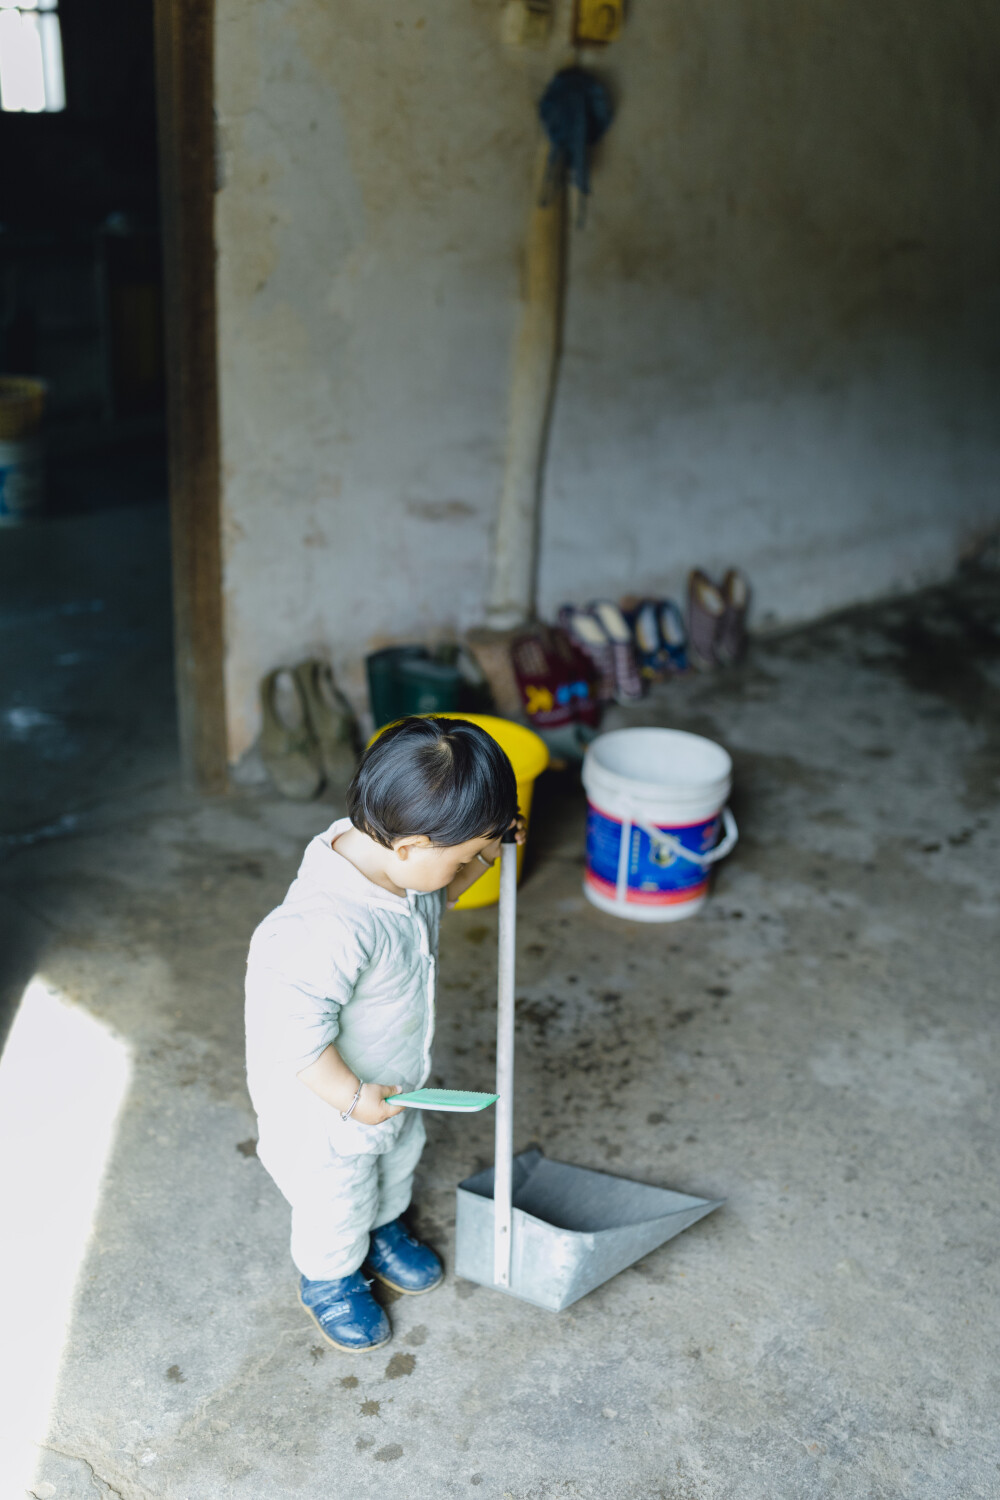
<point x="781" y="316"/>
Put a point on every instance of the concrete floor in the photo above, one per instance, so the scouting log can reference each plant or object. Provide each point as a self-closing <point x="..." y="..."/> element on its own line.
<point x="818" y="1048"/>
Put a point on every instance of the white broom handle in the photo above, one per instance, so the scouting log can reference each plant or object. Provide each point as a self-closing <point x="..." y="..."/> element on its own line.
<point x="503" y="1159"/>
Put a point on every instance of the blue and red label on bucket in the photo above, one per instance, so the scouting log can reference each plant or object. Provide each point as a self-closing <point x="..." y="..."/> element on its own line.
<point x="657" y="876"/>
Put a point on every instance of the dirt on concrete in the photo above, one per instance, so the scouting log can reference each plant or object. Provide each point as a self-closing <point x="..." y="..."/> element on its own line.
<point x="818" y="1048"/>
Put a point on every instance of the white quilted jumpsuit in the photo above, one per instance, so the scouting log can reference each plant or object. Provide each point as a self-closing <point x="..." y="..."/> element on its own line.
<point x="340" y="960"/>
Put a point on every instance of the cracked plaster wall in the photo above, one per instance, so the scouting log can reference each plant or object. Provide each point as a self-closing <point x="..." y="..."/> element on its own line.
<point x="779" y="333"/>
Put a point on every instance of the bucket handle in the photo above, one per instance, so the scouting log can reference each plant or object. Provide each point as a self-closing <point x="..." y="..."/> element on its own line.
<point x="667" y="841"/>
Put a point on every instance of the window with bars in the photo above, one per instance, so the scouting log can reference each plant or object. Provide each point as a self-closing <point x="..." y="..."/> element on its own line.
<point x="31" y="64"/>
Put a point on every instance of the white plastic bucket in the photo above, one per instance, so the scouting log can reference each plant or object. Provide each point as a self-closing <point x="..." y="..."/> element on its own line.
<point x="656" y="808"/>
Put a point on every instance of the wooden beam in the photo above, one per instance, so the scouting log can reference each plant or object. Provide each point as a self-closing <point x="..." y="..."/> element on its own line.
<point x="185" y="91"/>
<point x="532" y="393"/>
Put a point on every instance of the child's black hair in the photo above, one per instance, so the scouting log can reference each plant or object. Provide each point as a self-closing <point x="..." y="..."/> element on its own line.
<point x="445" y="778"/>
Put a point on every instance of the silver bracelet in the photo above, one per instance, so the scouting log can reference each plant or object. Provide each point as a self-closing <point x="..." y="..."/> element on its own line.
<point x="487" y="862"/>
<point x="346" y="1113"/>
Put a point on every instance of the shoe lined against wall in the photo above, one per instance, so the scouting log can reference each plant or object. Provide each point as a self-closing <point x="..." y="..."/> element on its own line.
<point x="309" y="734"/>
<point x="731" y="641"/>
<point x="603" y="634"/>
<point x="288" y="746"/>
<point x="589" y="635"/>
<point x="705" y="609"/>
<point x="674" y="637"/>
<point x="659" y="635"/>
<point x="331" y="720"/>
<point x="628" y="682"/>
<point x="643" y="619"/>
<point x="716" y="618"/>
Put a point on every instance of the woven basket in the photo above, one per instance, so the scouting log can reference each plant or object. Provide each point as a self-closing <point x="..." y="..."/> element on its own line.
<point x="22" y="401"/>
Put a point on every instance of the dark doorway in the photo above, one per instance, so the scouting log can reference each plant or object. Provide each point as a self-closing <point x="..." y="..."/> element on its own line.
<point x="81" y="301"/>
<point x="86" y="691"/>
<point x="107" y="298"/>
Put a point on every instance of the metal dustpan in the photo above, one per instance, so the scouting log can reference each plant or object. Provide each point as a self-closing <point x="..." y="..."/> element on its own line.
<point x="542" y="1230"/>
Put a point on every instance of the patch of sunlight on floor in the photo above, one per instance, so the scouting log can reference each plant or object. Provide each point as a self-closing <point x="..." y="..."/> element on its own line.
<point x="63" y="1077"/>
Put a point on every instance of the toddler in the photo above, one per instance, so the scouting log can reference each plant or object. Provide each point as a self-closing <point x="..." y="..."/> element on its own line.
<point x="340" y="1010"/>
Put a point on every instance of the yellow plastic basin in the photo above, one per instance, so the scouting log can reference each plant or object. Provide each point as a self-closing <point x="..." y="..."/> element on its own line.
<point x="529" y="755"/>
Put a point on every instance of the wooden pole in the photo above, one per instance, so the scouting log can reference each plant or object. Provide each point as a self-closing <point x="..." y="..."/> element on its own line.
<point x="536" y="359"/>
<point x="185" y="92"/>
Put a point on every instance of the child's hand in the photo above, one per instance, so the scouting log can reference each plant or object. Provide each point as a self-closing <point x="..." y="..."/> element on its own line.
<point x="373" y="1107"/>
<point x="520" y="827"/>
<point x="468" y="874"/>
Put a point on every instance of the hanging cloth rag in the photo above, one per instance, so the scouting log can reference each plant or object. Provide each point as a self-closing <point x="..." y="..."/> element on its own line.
<point x="575" y="111"/>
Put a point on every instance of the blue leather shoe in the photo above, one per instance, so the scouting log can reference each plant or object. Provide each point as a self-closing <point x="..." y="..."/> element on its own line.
<point x="346" y="1313"/>
<point x="402" y="1262"/>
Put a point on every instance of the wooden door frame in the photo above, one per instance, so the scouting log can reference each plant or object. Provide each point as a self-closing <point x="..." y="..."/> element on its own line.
<point x="185" y="88"/>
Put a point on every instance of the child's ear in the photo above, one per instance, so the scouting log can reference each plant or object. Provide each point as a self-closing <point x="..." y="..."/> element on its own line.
<point x="402" y="847"/>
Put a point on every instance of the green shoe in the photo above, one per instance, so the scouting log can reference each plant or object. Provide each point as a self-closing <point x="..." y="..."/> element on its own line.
<point x="288" y="747"/>
<point x="331" y="719"/>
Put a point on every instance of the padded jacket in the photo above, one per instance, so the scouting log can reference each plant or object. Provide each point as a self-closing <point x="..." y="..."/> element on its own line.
<point x="340" y="960"/>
